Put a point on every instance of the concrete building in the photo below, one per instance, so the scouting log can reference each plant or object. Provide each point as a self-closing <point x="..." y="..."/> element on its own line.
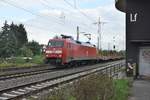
<point x="137" y="35"/>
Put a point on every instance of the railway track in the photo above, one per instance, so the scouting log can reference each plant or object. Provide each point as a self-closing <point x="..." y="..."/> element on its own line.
<point x="27" y="71"/>
<point x="19" y="70"/>
<point x="67" y="76"/>
<point x="11" y="76"/>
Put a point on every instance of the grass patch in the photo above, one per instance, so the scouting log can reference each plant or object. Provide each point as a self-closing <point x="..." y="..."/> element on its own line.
<point x="38" y="59"/>
<point x="10" y="65"/>
<point x="20" y="62"/>
<point x="121" y="87"/>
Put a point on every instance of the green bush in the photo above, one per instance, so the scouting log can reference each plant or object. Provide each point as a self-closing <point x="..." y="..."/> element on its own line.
<point x="38" y="59"/>
<point x="34" y="47"/>
<point x="25" y="52"/>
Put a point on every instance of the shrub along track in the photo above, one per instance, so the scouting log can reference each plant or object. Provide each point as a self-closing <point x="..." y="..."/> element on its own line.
<point x="32" y="84"/>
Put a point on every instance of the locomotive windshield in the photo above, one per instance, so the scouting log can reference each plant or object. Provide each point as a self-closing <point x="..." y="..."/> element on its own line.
<point x="56" y="43"/>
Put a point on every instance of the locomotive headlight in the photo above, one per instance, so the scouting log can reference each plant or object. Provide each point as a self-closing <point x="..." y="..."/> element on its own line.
<point x="48" y="51"/>
<point x="58" y="51"/>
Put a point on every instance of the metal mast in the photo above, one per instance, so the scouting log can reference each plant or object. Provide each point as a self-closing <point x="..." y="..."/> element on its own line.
<point x="99" y="37"/>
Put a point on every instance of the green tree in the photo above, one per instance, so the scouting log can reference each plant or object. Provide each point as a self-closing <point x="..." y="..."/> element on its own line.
<point x="23" y="34"/>
<point x="8" y="42"/>
<point x="20" y="33"/>
<point x="25" y="52"/>
<point x="34" y="47"/>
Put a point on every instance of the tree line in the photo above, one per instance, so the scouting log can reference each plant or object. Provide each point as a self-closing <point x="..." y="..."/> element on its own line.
<point x="14" y="42"/>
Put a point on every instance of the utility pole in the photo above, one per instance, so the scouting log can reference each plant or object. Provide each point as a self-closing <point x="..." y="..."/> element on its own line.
<point x="77" y="33"/>
<point x="99" y="37"/>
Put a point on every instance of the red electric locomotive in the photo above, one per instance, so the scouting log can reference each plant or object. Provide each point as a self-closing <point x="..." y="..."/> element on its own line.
<point x="65" y="51"/>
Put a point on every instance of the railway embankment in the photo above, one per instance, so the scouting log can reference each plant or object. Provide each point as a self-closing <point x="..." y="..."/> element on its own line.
<point x="94" y="87"/>
<point x="20" y="87"/>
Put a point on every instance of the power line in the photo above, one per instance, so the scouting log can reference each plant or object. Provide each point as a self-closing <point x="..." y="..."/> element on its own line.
<point x="82" y="13"/>
<point x="79" y="11"/>
<point x="26" y="10"/>
<point x="44" y="17"/>
<point x="33" y="26"/>
<point x="46" y="4"/>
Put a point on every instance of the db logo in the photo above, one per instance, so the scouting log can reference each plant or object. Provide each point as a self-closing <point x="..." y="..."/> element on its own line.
<point x="133" y="17"/>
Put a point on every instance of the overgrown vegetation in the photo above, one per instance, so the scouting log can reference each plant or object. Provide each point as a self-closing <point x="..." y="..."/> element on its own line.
<point x="94" y="87"/>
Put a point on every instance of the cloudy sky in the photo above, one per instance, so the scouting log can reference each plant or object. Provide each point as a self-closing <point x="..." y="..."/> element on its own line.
<point x="43" y="19"/>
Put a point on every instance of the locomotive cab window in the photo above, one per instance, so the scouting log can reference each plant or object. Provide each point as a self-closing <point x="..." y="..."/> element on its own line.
<point x="56" y="43"/>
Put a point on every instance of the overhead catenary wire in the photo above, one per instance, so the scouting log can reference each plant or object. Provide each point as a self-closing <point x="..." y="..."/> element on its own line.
<point x="41" y="16"/>
<point x="49" y="7"/>
<point x="45" y="3"/>
<point x="84" y="26"/>
<point x="33" y="26"/>
<point x="79" y="11"/>
<point x="26" y="10"/>
<point x="82" y="13"/>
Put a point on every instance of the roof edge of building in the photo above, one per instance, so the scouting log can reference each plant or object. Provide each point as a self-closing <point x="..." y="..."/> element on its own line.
<point x="120" y="5"/>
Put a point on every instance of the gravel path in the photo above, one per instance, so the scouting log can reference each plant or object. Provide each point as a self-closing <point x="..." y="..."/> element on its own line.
<point x="140" y="90"/>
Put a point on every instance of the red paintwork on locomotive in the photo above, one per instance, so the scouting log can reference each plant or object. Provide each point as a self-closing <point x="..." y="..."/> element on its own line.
<point x="72" y="51"/>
